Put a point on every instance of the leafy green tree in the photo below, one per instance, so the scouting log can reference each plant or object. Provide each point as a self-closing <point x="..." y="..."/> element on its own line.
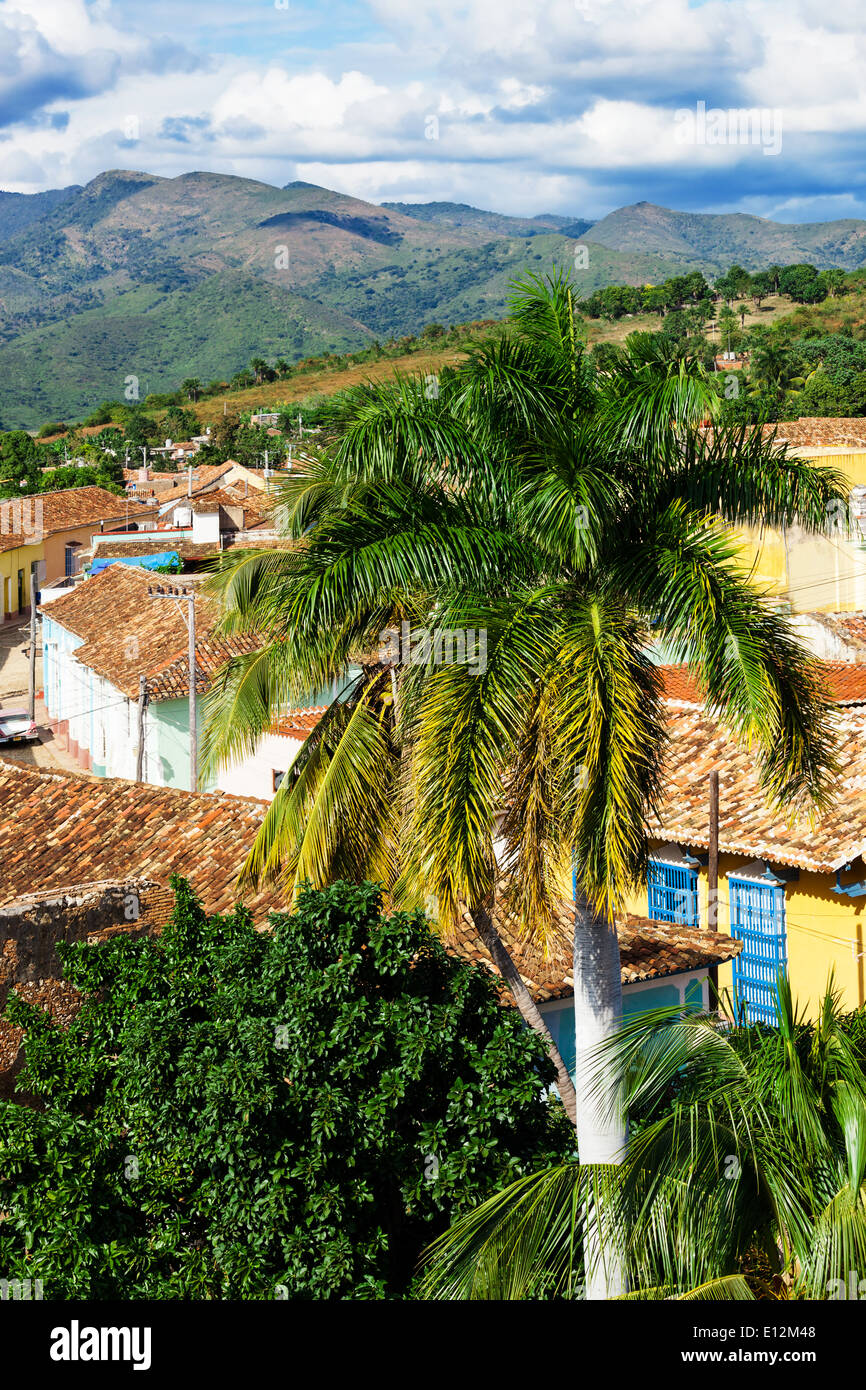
<point x="180" y="424"/>
<point x="745" y="1175"/>
<point x="761" y="287"/>
<point x="20" y="464"/>
<point x="802" y="283"/>
<point x="728" y="333"/>
<point x="235" y="1113"/>
<point x="833" y="281"/>
<point x="142" y="431"/>
<point x="104" y="414"/>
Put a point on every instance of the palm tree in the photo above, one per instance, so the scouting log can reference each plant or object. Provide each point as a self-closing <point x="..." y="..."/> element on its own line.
<point x="281" y="367"/>
<point x="192" y="387"/>
<point x="572" y="519"/>
<point x="744" y="1175"/>
<point x="259" y="366"/>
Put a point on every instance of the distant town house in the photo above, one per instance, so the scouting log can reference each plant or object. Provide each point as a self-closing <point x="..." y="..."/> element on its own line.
<point x="108" y="633"/>
<point x="44" y="538"/>
<point x="792" y="894"/>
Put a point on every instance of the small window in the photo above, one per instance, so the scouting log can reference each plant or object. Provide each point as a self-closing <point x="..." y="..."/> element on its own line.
<point x="672" y="893"/>
<point x="278" y="778"/>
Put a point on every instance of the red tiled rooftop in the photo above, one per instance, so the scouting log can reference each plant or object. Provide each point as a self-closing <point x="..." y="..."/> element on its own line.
<point x="699" y="744"/>
<point x="299" y="723"/>
<point x="833" y="432"/>
<point x="58" y="829"/>
<point x="846" y="683"/>
<point x="648" y="950"/>
<point x="146" y="635"/>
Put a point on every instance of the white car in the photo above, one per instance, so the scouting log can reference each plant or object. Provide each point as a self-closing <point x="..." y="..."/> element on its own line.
<point x="16" y="726"/>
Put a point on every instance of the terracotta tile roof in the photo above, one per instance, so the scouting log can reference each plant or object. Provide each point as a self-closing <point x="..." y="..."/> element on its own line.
<point x="57" y="830"/>
<point x="46" y="513"/>
<point x="204" y="476"/>
<point x="299" y="723"/>
<point x="846" y="683"/>
<point x="250" y="541"/>
<point x="83" y="506"/>
<point x="13" y="541"/>
<point x="648" y="951"/>
<point x="187" y="550"/>
<point x="172" y="682"/>
<point x="842" y="432"/>
<point x="144" y="635"/>
<point x="253" y="504"/>
<point x="698" y="744"/>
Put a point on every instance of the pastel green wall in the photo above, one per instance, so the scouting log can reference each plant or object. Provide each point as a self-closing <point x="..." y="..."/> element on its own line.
<point x="168" y="743"/>
<point x="560" y="1017"/>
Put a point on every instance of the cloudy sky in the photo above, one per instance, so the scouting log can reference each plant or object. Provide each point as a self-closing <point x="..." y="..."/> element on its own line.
<point x="525" y="106"/>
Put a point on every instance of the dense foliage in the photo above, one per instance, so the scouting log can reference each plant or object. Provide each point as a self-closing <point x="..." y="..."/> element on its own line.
<point x="744" y="1176"/>
<point x="236" y="1114"/>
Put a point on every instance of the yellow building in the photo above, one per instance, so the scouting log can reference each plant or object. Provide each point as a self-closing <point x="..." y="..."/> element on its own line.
<point x="19" y="558"/>
<point x="793" y="894"/>
<point x="47" y="534"/>
<point x="818" y="573"/>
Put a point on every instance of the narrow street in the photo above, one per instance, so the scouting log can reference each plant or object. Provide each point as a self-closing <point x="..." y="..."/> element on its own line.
<point x="14" y="664"/>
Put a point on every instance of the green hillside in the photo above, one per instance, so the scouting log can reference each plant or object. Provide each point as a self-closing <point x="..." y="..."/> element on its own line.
<point x="716" y="240"/>
<point x="138" y="275"/>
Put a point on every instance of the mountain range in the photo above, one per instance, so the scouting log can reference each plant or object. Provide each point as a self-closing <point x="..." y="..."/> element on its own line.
<point x="157" y="279"/>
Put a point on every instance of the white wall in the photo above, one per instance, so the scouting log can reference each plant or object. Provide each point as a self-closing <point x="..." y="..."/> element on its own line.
<point x="255" y="776"/>
<point x="101" y="719"/>
<point x="205" y="527"/>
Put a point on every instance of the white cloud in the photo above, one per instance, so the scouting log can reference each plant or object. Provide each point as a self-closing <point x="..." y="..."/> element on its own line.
<point x="558" y="105"/>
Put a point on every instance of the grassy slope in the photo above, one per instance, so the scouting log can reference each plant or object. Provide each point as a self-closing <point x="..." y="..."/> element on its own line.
<point x="829" y="317"/>
<point x="166" y="278"/>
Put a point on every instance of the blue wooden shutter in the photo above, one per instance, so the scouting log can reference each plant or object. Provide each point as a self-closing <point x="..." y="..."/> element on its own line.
<point x="672" y="893"/>
<point x="758" y="920"/>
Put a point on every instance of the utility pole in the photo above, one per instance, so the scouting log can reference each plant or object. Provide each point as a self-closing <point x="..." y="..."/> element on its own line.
<point x="713" y="878"/>
<point x="193" y="727"/>
<point x="142" y="705"/>
<point x="31" y="703"/>
<point x="186" y="596"/>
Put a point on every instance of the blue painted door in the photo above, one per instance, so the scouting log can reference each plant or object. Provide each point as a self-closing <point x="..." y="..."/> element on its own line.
<point x="758" y="920"/>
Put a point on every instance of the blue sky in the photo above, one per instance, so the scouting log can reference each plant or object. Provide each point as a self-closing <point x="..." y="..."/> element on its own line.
<point x="570" y="106"/>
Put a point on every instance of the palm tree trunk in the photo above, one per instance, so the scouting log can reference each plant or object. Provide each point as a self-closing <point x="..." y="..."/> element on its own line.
<point x="600" y="1125"/>
<point x="528" y="1009"/>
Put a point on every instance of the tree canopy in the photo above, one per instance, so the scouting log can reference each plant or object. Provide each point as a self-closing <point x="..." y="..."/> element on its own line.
<point x="243" y="1114"/>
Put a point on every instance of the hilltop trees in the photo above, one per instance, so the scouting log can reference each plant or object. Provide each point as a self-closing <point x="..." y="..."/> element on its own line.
<point x="803" y="283"/>
<point x="614" y="301"/>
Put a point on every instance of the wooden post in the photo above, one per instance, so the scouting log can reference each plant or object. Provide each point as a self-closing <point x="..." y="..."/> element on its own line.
<point x="193" y="729"/>
<point x="142" y="705"/>
<point x="713" y="878"/>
